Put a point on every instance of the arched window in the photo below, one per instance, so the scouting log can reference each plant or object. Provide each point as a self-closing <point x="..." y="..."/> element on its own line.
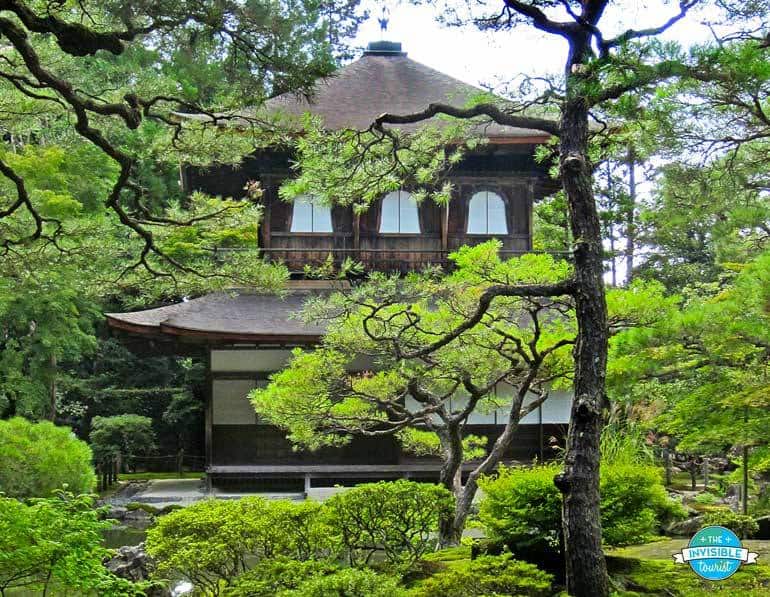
<point x="486" y="214"/>
<point x="399" y="214"/>
<point x="310" y="215"/>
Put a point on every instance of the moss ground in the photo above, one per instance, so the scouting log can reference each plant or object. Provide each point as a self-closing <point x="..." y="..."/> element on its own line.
<point x="649" y="569"/>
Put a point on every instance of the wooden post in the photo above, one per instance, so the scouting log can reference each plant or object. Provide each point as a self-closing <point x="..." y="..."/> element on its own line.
<point x="705" y="474"/>
<point x="52" y="388"/>
<point x="693" y="472"/>
<point x="540" y="432"/>
<point x="745" y="463"/>
<point x="445" y="228"/>
<point x="667" y="465"/>
<point x="268" y="205"/>
<point x="208" y="413"/>
<point x="745" y="492"/>
<point x="356" y="236"/>
<point x="180" y="462"/>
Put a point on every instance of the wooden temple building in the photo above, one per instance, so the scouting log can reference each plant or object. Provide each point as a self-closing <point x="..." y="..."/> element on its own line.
<point x="246" y="335"/>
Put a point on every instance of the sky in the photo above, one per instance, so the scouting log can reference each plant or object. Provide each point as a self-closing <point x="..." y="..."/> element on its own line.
<point x="492" y="58"/>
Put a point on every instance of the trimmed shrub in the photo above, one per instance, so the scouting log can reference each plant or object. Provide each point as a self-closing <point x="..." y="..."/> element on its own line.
<point x="487" y="575"/>
<point x="38" y="458"/>
<point x="122" y="437"/>
<point x="270" y="577"/>
<point x="397" y="518"/>
<point x="634" y="503"/>
<point x="348" y="582"/>
<point x="522" y="507"/>
<point x="211" y="541"/>
<point x="706" y="499"/>
<point x="741" y="524"/>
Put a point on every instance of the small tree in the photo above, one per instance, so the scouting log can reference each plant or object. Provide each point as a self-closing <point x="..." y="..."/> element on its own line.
<point x="422" y="388"/>
<point x="397" y="518"/>
<point x="39" y="458"/>
<point x="121" y="438"/>
<point x="708" y="361"/>
<point x="55" y="544"/>
<point x="213" y="541"/>
<point x="180" y="415"/>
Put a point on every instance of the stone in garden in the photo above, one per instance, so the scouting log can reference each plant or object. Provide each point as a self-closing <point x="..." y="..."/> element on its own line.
<point x="685" y="527"/>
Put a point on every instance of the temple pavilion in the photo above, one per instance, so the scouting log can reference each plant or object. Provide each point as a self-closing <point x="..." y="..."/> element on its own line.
<point x="245" y="335"/>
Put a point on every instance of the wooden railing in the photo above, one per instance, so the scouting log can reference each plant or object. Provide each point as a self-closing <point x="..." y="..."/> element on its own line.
<point x="389" y="260"/>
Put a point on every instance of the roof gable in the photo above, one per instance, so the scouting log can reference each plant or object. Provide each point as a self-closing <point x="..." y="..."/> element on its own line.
<point x="359" y="92"/>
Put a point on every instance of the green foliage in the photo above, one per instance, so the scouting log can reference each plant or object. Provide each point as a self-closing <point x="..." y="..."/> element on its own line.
<point x="664" y="577"/>
<point x="705" y="499"/>
<point x="521" y="347"/>
<point x="46" y="319"/>
<point x="624" y="445"/>
<point x="487" y="575"/>
<point x="270" y="577"/>
<point x="212" y="542"/>
<point x="397" y="518"/>
<point x="634" y="503"/>
<point x="522" y="507"/>
<point x="54" y="545"/>
<point x="348" y="582"/>
<point x="332" y="168"/>
<point x="707" y="361"/>
<point x="38" y="458"/>
<point x="741" y="524"/>
<point x="122" y="436"/>
<point x="428" y="443"/>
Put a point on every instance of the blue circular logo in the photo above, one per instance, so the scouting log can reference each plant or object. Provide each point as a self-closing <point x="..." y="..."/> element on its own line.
<point x="715" y="553"/>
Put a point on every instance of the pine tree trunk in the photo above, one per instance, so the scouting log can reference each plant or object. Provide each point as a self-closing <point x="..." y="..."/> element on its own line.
<point x="745" y="492"/>
<point x="667" y="465"/>
<point x="693" y="474"/>
<point x="630" y="214"/>
<point x="586" y="568"/>
<point x="449" y="531"/>
<point x="52" y="389"/>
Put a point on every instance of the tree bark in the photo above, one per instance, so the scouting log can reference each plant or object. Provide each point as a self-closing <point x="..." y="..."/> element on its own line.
<point x="745" y="480"/>
<point x="586" y="569"/>
<point x="450" y="477"/>
<point x="745" y="466"/>
<point x="693" y="473"/>
<point x="52" y="389"/>
<point x="667" y="465"/>
<point x="451" y="529"/>
<point x="630" y="214"/>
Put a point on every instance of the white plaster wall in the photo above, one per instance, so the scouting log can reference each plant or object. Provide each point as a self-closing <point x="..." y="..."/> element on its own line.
<point x="231" y="407"/>
<point x="228" y="361"/>
<point x="230" y="403"/>
<point x="555" y="409"/>
<point x="266" y="360"/>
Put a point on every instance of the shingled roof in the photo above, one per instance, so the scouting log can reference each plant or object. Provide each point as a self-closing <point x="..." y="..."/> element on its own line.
<point x="385" y="79"/>
<point x="225" y="316"/>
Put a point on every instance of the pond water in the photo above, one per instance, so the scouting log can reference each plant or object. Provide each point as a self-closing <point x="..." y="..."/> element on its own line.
<point x="121" y="534"/>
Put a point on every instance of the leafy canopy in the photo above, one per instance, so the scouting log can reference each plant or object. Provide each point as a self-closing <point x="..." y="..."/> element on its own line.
<point x="37" y="459"/>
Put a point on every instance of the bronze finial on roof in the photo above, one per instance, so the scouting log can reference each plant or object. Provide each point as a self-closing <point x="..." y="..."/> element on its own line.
<point x="384" y="19"/>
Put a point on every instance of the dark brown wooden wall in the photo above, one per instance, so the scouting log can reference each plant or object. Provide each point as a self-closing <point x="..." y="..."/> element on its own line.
<point x="509" y="171"/>
<point x="246" y="445"/>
